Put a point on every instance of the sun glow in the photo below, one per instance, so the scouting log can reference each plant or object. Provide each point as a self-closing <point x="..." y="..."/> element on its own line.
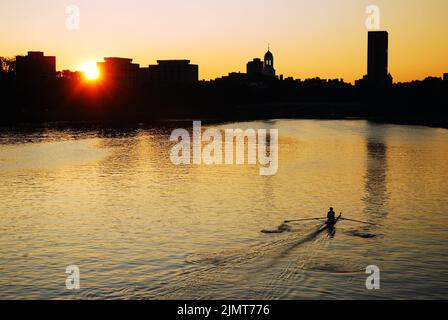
<point x="90" y="70"/>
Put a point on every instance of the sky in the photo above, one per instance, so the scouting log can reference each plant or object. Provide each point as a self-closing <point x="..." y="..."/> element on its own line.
<point x="309" y="38"/>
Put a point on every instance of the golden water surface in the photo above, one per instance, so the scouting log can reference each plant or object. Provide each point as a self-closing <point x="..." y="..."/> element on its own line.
<point x="111" y="202"/>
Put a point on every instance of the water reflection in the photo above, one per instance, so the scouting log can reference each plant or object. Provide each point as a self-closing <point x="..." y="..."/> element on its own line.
<point x="268" y="182"/>
<point x="376" y="194"/>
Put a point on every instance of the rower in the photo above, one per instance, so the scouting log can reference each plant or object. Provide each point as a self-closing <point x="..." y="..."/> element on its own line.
<point x="331" y="216"/>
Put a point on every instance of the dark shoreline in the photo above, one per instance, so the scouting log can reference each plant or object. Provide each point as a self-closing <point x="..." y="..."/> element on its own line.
<point x="63" y="100"/>
<point x="175" y="122"/>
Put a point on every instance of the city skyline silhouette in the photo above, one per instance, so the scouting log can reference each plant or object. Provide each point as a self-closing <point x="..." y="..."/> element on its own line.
<point x="118" y="87"/>
<point x="309" y="39"/>
<point x="377" y="59"/>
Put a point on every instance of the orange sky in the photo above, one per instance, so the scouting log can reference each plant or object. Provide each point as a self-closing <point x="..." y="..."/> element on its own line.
<point x="325" y="38"/>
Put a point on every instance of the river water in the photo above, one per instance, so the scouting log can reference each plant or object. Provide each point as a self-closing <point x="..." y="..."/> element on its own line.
<point x="138" y="227"/>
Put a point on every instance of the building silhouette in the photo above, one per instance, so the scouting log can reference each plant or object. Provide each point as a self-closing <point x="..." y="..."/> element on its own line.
<point x="377" y="59"/>
<point x="119" y="71"/>
<point x="255" y="67"/>
<point x="268" y="68"/>
<point x="235" y="78"/>
<point x="173" y="72"/>
<point x="445" y="77"/>
<point x="261" y="70"/>
<point x="35" y="67"/>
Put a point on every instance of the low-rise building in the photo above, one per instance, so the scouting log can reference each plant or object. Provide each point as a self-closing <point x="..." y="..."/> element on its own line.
<point x="119" y="71"/>
<point x="255" y="67"/>
<point x="173" y="71"/>
<point x="35" y="67"/>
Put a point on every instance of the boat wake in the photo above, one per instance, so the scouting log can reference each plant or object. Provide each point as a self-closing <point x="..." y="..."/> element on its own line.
<point x="251" y="268"/>
<point x="280" y="229"/>
<point x="262" y="271"/>
<point x="363" y="234"/>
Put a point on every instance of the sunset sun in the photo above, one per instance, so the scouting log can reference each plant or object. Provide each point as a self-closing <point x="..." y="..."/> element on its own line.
<point x="90" y="70"/>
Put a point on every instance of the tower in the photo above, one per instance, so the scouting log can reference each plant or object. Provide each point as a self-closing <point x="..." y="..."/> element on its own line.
<point x="268" y="68"/>
<point x="377" y="59"/>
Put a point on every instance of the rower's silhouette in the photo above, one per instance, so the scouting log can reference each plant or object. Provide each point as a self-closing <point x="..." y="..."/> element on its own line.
<point x="331" y="216"/>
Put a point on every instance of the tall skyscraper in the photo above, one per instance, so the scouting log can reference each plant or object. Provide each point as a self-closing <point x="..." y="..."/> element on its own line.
<point x="377" y="65"/>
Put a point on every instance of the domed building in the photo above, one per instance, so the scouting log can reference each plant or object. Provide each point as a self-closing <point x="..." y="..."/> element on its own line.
<point x="268" y="68"/>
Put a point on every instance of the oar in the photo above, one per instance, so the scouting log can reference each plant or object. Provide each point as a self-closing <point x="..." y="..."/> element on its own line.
<point x="373" y="224"/>
<point x="297" y="220"/>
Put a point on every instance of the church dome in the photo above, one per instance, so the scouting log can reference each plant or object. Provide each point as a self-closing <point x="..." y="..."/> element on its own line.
<point x="268" y="55"/>
<point x="268" y="67"/>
